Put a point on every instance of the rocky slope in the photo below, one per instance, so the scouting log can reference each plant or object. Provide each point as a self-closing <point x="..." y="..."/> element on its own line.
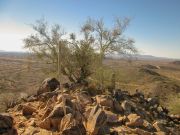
<point x="77" y="112"/>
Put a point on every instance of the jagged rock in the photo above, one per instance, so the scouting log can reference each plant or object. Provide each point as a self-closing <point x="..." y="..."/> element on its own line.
<point x="6" y="125"/>
<point x="47" y="95"/>
<point x="59" y="110"/>
<point x="28" y="110"/>
<point x="111" y="117"/>
<point x="148" y="125"/>
<point x="55" y="116"/>
<point x="46" y="113"/>
<point x="153" y="101"/>
<point x="32" y="123"/>
<point x="127" y="106"/>
<point x="122" y="119"/>
<point x="34" y="131"/>
<point x="97" y="118"/>
<point x="45" y="124"/>
<point x="117" y="106"/>
<point x="49" y="84"/>
<point x="6" y="121"/>
<point x="87" y="111"/>
<point x="159" y="126"/>
<point x="134" y="120"/>
<point x="54" y="112"/>
<point x="60" y="97"/>
<point x="84" y="99"/>
<point x="142" y="132"/>
<point x="31" y="98"/>
<point x="104" y="100"/>
<point x="70" y="126"/>
<point x="160" y="133"/>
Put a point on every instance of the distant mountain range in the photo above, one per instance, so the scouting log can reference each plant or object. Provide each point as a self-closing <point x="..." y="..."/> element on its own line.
<point x="135" y="57"/>
<point x="150" y="57"/>
<point x="12" y="54"/>
<point x="140" y="57"/>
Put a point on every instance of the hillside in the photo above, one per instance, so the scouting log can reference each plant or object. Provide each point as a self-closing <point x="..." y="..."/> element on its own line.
<point x="18" y="78"/>
<point x="21" y="75"/>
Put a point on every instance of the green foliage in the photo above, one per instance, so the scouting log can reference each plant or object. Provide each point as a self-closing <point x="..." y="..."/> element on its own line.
<point x="109" y="41"/>
<point x="79" y="57"/>
<point x="75" y="55"/>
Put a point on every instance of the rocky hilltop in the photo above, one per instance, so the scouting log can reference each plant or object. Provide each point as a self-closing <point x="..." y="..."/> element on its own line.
<point x="78" y="110"/>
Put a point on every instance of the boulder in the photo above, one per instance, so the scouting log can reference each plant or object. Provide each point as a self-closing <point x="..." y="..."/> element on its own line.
<point x="104" y="100"/>
<point x="49" y="84"/>
<point x="97" y="119"/>
<point x="70" y="126"/>
<point x="28" y="110"/>
<point x="134" y="121"/>
<point x="6" y="125"/>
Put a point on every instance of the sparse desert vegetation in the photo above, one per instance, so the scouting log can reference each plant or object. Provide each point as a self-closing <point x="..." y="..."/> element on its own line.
<point x="89" y="67"/>
<point x="162" y="78"/>
<point x="18" y="78"/>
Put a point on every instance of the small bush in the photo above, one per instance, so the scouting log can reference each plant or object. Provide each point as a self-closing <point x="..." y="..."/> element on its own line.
<point x="173" y="104"/>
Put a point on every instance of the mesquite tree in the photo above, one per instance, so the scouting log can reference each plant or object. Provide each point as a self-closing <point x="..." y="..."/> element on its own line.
<point x="110" y="40"/>
<point x="75" y="55"/>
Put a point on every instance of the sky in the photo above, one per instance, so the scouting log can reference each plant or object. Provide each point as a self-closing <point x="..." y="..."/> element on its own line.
<point x="155" y="24"/>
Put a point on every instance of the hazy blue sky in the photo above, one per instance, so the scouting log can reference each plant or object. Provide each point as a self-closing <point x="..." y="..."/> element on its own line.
<point x="155" y="24"/>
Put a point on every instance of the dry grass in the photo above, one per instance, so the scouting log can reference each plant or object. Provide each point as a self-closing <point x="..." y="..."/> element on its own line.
<point x="18" y="77"/>
<point x="162" y="81"/>
<point x="21" y="77"/>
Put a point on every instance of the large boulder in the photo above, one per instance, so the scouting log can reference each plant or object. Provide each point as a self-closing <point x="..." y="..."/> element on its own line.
<point x="70" y="126"/>
<point x="48" y="85"/>
<point x="6" y="125"/>
<point x="96" y="120"/>
<point x="28" y="110"/>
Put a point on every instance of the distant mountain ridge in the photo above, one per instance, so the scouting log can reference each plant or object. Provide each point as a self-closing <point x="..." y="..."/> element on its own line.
<point x="140" y="57"/>
<point x="12" y="54"/>
<point x="135" y="57"/>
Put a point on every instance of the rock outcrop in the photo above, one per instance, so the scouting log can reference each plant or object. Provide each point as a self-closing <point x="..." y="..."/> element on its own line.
<point x="78" y="113"/>
<point x="48" y="85"/>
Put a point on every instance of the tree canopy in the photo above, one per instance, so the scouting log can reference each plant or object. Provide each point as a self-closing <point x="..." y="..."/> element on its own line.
<point x="79" y="54"/>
